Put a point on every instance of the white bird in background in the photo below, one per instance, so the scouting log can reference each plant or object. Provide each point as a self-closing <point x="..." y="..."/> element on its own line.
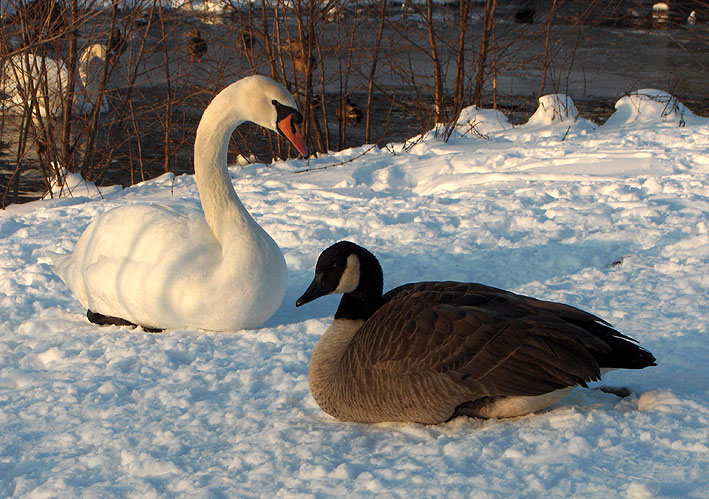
<point x="91" y="66"/>
<point x="178" y="266"/>
<point x="28" y="77"/>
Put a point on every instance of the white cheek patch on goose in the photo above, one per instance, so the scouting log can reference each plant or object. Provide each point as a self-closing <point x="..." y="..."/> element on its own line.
<point x="350" y="277"/>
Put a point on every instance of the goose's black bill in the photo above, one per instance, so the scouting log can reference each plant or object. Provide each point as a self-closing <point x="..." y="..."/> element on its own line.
<point x="314" y="291"/>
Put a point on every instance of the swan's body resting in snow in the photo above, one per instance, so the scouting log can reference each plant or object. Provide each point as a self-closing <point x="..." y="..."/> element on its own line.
<point x="27" y="76"/>
<point x="169" y="267"/>
<point x="427" y="352"/>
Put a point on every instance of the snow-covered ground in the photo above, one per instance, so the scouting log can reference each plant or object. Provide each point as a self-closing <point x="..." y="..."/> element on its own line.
<point x="612" y="219"/>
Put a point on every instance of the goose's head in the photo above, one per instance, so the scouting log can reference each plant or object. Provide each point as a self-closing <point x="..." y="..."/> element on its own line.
<point x="268" y="104"/>
<point x="350" y="269"/>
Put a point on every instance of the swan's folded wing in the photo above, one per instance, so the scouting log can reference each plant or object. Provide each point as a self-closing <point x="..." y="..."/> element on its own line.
<point x="479" y="338"/>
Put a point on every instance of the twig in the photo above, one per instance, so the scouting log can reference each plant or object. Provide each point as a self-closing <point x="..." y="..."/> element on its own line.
<point x="338" y="164"/>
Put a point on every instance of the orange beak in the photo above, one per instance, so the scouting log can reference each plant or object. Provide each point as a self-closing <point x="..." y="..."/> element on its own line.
<point x="291" y="131"/>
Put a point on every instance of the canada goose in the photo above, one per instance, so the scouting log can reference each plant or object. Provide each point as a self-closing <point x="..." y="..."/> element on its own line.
<point x="428" y="352"/>
<point x="196" y="45"/>
<point x="178" y="266"/>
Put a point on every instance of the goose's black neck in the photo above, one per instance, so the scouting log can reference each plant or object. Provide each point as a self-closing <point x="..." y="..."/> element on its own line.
<point x="361" y="303"/>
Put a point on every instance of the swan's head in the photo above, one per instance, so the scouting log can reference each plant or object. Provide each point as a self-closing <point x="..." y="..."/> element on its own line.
<point x="345" y="268"/>
<point x="93" y="51"/>
<point x="268" y="104"/>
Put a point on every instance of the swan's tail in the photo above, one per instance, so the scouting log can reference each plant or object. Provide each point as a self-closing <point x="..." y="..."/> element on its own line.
<point x="61" y="263"/>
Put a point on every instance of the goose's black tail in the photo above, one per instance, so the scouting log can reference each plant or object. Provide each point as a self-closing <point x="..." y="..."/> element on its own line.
<point x="623" y="352"/>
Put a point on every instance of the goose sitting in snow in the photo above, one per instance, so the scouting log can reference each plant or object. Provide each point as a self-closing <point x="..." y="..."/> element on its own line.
<point x="26" y="76"/>
<point x="431" y="351"/>
<point x="178" y="266"/>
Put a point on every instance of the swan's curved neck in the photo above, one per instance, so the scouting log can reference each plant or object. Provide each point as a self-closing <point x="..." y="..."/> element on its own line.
<point x="91" y="67"/>
<point x="223" y="210"/>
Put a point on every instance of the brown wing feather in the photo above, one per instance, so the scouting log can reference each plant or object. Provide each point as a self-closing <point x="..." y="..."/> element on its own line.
<point x="492" y="341"/>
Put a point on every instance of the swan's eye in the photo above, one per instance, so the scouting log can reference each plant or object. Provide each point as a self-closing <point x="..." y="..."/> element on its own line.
<point x="283" y="112"/>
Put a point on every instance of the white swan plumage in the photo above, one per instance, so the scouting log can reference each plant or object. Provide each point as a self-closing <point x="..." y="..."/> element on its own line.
<point x="91" y="64"/>
<point x="169" y="267"/>
<point x="27" y="75"/>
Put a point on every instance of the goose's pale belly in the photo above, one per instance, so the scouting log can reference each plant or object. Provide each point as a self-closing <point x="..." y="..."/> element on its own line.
<point x="509" y="407"/>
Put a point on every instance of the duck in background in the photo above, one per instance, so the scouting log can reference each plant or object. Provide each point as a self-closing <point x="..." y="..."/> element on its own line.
<point x="116" y="45"/>
<point x="245" y="40"/>
<point x="196" y="45"/>
<point x="349" y="111"/>
<point x="298" y="50"/>
<point x="300" y="62"/>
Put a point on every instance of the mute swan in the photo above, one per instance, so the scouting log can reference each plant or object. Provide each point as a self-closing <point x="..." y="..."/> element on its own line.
<point x="28" y="75"/>
<point x="430" y="351"/>
<point x="168" y="267"/>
